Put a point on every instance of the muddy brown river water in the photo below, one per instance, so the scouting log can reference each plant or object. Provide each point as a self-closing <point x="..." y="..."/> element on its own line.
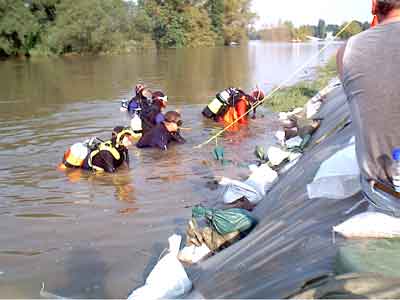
<point x="98" y="236"/>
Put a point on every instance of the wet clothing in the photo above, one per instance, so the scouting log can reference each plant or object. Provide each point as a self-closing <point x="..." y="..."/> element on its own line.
<point x="107" y="159"/>
<point x="235" y="112"/>
<point x="139" y="103"/>
<point x="159" y="137"/>
<point x="371" y="76"/>
<point x="152" y="116"/>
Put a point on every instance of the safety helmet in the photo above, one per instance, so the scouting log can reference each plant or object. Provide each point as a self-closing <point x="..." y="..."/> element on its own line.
<point x="139" y="88"/>
<point x="119" y="133"/>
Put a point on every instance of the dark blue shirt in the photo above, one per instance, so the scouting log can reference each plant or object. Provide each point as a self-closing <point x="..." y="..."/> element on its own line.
<point x="159" y="137"/>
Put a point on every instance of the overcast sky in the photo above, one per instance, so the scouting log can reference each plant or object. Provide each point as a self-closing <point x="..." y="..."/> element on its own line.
<point x="309" y="11"/>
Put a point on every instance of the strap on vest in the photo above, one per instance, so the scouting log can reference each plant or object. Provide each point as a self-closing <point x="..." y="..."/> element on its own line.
<point x="105" y="146"/>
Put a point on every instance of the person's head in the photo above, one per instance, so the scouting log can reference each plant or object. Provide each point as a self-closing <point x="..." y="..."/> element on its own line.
<point x="139" y="89"/>
<point x="257" y="94"/>
<point x="122" y="136"/>
<point x="172" y="121"/>
<point x="161" y="99"/>
<point x="382" y="8"/>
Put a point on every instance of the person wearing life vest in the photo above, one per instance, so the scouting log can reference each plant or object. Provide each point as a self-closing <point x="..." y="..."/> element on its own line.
<point x="112" y="154"/>
<point x="241" y="104"/>
<point x="154" y="115"/>
<point x="231" y="104"/>
<point x="141" y="102"/>
<point x="163" y="133"/>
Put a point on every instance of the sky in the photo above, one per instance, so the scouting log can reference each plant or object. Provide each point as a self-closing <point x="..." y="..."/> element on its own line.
<point x="302" y="12"/>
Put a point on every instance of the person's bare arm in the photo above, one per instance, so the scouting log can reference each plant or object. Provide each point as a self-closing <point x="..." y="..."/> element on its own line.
<point x="339" y="61"/>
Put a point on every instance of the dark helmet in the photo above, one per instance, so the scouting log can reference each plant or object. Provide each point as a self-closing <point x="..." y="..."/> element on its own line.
<point x="173" y="117"/>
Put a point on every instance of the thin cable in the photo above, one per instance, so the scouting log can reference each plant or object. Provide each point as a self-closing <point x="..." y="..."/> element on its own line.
<point x="276" y="89"/>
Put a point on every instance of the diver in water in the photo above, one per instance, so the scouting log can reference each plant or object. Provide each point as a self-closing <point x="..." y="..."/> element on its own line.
<point x="154" y="115"/>
<point x="98" y="155"/>
<point x="232" y="104"/>
<point x="141" y="102"/>
<point x="163" y="133"/>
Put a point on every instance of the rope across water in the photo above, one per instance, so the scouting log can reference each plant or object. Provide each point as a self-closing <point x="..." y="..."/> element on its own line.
<point x="282" y="84"/>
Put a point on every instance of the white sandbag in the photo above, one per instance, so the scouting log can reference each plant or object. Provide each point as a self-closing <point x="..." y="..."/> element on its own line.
<point x="261" y="178"/>
<point x="276" y="155"/>
<point x="253" y="188"/>
<point x="168" y="279"/>
<point x="193" y="254"/>
<point x="294" y="142"/>
<point x="370" y="225"/>
<point x="342" y="163"/>
<point x="339" y="187"/>
<point x="312" y="107"/>
<point x="236" y="189"/>
<point x="280" y="136"/>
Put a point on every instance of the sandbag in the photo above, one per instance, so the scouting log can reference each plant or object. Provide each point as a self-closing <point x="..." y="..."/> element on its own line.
<point x="226" y="221"/>
<point x="168" y="279"/>
<point x="370" y="225"/>
<point x="370" y="256"/>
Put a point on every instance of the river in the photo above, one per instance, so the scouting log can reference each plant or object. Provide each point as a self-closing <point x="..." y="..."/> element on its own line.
<point x="98" y="236"/>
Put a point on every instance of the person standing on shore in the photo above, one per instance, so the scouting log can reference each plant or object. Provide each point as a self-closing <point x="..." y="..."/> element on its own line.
<point x="369" y="67"/>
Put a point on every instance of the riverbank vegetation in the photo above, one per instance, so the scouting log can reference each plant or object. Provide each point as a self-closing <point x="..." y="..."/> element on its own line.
<point x="288" y="98"/>
<point x="55" y="27"/>
<point x="286" y="31"/>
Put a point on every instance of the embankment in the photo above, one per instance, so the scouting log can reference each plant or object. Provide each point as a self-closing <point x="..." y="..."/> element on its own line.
<point x="292" y="245"/>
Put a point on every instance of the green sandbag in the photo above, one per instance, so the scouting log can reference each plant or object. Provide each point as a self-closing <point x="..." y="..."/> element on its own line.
<point x="380" y="256"/>
<point x="225" y="221"/>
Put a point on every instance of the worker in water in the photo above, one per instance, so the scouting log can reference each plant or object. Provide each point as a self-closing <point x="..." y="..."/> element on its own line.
<point x="100" y="156"/>
<point x="154" y="115"/>
<point x="369" y="67"/>
<point x="232" y="104"/>
<point x="141" y="102"/>
<point x="163" y="133"/>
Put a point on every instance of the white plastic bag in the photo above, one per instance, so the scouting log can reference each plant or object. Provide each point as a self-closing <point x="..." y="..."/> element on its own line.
<point x="168" y="279"/>
<point x="370" y="225"/>
<point x="276" y="155"/>
<point x="236" y="189"/>
<point x="338" y="187"/>
<point x="294" y="142"/>
<point x="254" y="188"/>
<point x="261" y="178"/>
<point x="193" y="254"/>
<point x="342" y="163"/>
<point x="338" y="177"/>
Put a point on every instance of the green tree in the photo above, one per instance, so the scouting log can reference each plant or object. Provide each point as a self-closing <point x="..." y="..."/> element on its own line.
<point x="19" y="30"/>
<point x="89" y="26"/>
<point x="353" y="29"/>
<point x="216" y="12"/>
<point x="237" y="18"/>
<point x="333" y="28"/>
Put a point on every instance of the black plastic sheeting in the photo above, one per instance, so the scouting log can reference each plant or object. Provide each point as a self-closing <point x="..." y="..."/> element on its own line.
<point x="292" y="245"/>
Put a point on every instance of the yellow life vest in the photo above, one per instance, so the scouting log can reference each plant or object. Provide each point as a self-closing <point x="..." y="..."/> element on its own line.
<point x="105" y="146"/>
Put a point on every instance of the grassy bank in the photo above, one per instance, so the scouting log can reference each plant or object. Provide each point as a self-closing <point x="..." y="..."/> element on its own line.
<point x="291" y="97"/>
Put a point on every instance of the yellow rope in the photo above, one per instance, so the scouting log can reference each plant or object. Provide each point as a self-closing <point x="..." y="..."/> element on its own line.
<point x="276" y="89"/>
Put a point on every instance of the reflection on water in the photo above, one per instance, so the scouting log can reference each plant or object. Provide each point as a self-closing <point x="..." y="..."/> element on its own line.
<point x="47" y="105"/>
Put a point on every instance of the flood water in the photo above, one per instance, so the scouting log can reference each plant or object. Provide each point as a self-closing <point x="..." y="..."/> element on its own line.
<point x="98" y="236"/>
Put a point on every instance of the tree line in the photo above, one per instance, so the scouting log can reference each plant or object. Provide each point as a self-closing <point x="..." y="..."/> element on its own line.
<point x="56" y="27"/>
<point x="286" y="31"/>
